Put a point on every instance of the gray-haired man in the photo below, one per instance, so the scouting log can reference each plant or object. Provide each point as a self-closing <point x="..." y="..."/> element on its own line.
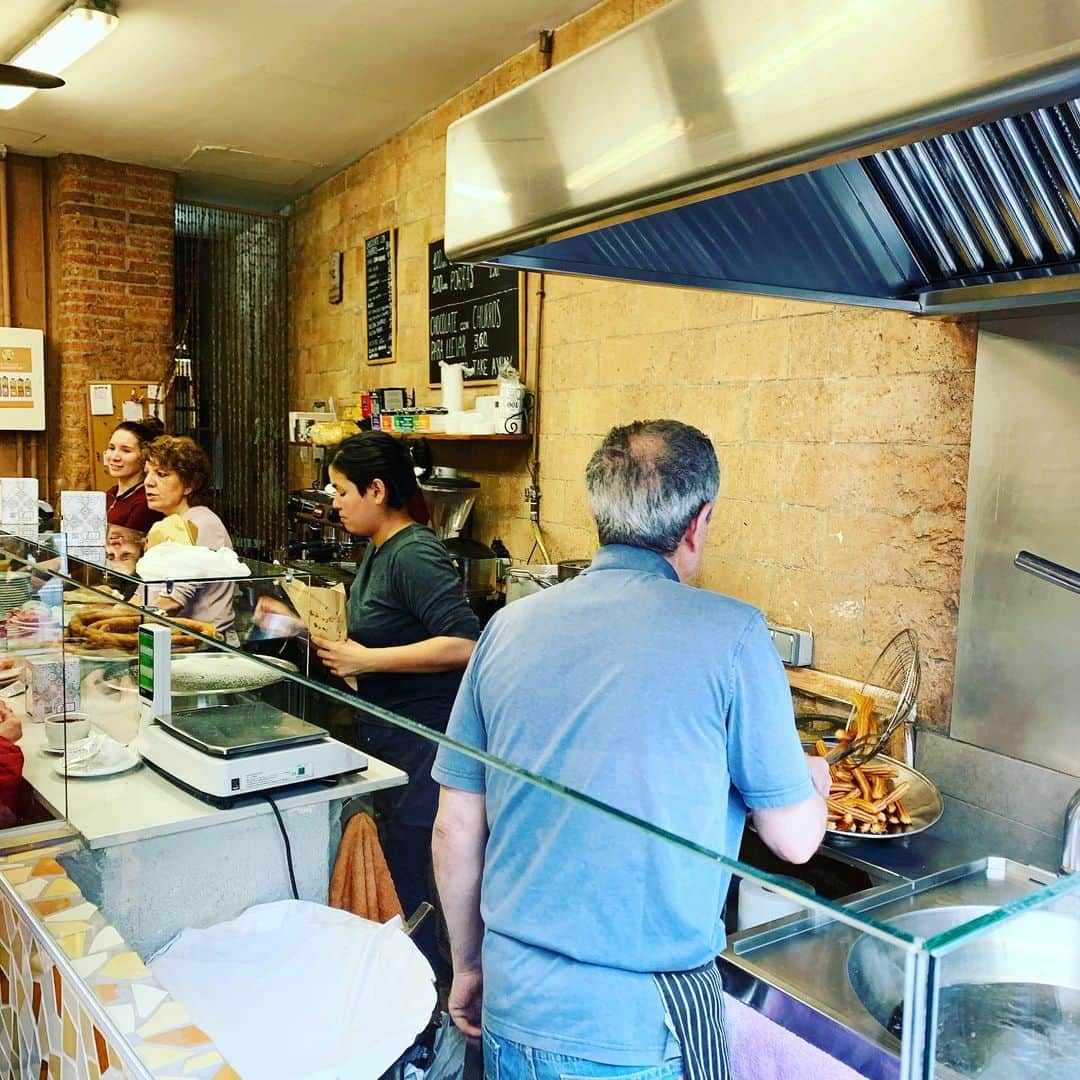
<point x="665" y="701"/>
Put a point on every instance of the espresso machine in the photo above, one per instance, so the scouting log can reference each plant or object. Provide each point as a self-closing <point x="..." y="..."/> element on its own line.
<point x="450" y="500"/>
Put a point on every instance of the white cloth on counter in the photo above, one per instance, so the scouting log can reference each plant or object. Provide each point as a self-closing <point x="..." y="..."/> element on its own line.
<point x="294" y="989"/>
<point x="169" y="562"/>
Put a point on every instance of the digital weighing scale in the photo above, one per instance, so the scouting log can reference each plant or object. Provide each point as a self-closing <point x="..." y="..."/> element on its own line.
<point x="228" y="751"/>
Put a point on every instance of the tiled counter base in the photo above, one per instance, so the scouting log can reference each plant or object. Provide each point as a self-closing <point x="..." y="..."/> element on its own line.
<point x="75" y="1000"/>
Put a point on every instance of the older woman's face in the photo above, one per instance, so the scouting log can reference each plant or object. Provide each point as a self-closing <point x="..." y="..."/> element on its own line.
<point x="123" y="456"/>
<point x="166" y="492"/>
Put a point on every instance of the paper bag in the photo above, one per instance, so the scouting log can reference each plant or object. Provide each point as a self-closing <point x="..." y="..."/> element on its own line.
<point x="322" y="611"/>
<point x="173" y="529"/>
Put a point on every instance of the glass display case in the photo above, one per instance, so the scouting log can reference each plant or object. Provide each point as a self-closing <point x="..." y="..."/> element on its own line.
<point x="972" y="970"/>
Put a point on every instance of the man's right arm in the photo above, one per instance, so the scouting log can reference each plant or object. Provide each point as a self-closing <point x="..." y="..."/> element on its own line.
<point x="783" y="788"/>
<point x="457" y="847"/>
<point x="794" y="833"/>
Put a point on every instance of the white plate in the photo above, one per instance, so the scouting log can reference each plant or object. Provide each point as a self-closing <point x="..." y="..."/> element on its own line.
<point x="118" y="762"/>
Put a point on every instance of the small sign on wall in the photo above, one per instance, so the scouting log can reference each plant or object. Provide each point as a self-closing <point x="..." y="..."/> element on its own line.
<point x="22" y="379"/>
<point x="335" y="277"/>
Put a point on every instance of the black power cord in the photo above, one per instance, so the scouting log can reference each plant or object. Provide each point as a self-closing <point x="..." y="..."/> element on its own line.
<point x="288" y="846"/>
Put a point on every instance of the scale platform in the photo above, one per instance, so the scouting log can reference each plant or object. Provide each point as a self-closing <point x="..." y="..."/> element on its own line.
<point x="248" y="727"/>
<point x="229" y="751"/>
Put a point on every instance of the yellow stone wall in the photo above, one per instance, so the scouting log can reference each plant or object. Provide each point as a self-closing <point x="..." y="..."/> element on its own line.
<point x="843" y="433"/>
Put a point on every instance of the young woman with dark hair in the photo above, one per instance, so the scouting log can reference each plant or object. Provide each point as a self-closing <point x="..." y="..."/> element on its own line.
<point x="411" y="633"/>
<point x="125" y="458"/>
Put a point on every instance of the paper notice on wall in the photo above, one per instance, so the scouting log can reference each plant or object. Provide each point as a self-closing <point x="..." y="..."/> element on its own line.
<point x="323" y="612"/>
<point x="101" y="402"/>
<point x="133" y="410"/>
<point x="153" y="401"/>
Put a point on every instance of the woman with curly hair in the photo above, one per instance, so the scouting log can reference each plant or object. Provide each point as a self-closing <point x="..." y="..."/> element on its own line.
<point x="177" y="472"/>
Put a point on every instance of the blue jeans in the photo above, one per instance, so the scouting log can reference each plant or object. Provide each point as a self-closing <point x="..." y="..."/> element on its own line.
<point x="506" y="1060"/>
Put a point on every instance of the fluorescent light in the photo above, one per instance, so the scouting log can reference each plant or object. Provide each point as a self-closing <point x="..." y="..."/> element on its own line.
<point x="82" y="26"/>
<point x="639" y="144"/>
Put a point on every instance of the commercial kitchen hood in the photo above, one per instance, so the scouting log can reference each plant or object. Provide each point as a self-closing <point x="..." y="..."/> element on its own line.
<point x="913" y="154"/>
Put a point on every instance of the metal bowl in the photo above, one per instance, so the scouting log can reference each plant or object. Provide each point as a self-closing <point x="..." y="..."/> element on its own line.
<point x="922" y="802"/>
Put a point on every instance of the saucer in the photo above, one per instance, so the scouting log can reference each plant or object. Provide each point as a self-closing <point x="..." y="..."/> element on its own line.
<point x="76" y="744"/>
<point x="120" y="760"/>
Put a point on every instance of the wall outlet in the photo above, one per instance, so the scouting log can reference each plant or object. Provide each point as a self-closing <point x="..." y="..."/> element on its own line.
<point x="796" y="647"/>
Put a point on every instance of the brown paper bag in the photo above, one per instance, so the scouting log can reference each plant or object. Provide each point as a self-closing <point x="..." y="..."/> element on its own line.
<point x="173" y="529"/>
<point x="323" y="612"/>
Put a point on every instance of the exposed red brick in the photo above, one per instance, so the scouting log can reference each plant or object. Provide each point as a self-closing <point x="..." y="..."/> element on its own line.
<point x="114" y="306"/>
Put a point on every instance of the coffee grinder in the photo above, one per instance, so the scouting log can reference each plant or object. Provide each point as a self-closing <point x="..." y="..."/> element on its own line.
<point x="450" y="500"/>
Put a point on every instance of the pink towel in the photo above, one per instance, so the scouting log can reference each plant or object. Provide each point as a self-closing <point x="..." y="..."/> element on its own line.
<point x="760" y="1049"/>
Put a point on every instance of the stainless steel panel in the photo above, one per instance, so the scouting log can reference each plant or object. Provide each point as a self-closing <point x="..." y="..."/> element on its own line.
<point x="1017" y="670"/>
<point x="707" y="96"/>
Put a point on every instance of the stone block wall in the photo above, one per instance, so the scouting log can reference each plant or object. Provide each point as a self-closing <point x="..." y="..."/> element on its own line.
<point x="843" y="433"/>
<point x="111" y="248"/>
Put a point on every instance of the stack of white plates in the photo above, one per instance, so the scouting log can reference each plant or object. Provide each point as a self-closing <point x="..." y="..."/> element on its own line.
<point x="14" y="590"/>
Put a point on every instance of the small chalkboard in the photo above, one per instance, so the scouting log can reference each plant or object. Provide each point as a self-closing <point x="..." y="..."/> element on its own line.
<point x="474" y="317"/>
<point x="379" y="285"/>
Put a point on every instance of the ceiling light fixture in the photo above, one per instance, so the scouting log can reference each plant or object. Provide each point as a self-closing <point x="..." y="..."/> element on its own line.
<point x="82" y="25"/>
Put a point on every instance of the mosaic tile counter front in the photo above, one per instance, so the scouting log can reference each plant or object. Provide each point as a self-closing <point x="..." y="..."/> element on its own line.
<point x="75" y="1000"/>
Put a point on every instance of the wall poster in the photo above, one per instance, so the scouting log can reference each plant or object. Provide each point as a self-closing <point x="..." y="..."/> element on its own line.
<point x="22" y="379"/>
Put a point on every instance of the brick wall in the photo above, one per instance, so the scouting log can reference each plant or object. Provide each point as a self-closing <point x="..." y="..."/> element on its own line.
<point x="843" y="433"/>
<point x="112" y="308"/>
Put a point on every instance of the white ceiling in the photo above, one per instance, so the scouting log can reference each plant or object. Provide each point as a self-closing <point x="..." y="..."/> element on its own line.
<point x="302" y="87"/>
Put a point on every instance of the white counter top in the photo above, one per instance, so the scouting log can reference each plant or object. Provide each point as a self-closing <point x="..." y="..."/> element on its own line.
<point x="142" y="803"/>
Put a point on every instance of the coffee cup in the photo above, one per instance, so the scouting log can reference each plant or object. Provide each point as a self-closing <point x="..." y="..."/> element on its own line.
<point x="72" y="727"/>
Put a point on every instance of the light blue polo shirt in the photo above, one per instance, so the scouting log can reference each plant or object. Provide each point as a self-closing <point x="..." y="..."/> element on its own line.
<point x="663" y="700"/>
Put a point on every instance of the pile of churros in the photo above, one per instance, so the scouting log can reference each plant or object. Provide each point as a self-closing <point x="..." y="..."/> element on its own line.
<point x="866" y="798"/>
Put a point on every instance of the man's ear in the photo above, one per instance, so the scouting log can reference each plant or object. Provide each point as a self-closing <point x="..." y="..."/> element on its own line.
<point x="698" y="529"/>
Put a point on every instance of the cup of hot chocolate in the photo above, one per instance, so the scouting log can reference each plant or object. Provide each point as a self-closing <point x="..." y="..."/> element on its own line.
<point x="66" y="729"/>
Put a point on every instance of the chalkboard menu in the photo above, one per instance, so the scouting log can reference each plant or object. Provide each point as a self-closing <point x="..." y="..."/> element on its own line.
<point x="474" y="316"/>
<point x="379" y="281"/>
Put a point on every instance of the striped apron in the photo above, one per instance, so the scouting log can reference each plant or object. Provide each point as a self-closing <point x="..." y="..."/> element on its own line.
<point x="694" y="1006"/>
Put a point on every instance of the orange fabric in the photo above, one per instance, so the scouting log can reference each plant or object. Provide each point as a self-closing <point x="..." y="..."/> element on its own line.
<point x="361" y="882"/>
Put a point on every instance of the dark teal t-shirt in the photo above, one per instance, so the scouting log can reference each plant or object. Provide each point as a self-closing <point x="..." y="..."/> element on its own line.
<point x="408" y="591"/>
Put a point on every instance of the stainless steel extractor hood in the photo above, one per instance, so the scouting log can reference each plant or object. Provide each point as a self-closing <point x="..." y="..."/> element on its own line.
<point x="915" y="154"/>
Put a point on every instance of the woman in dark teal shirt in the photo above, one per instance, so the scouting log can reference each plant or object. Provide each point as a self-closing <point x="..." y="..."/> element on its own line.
<point x="411" y="633"/>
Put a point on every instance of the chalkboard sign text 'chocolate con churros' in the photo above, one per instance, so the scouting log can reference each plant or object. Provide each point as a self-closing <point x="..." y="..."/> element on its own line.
<point x="474" y="317"/>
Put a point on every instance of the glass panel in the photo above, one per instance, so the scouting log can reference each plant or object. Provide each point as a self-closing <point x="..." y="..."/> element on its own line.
<point x="1007" y="980"/>
<point x="850" y="963"/>
<point x="123" y="549"/>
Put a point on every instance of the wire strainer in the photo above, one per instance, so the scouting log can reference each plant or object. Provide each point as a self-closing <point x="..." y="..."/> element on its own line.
<point x="897" y="671"/>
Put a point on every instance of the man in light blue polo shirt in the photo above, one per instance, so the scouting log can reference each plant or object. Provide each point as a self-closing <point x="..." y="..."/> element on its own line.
<point x="659" y="699"/>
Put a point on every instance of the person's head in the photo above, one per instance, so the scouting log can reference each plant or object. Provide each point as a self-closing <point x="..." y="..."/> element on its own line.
<point x="651" y="484"/>
<point x="123" y="548"/>
<point x="373" y="476"/>
<point x="177" y="470"/>
<point x="125" y="456"/>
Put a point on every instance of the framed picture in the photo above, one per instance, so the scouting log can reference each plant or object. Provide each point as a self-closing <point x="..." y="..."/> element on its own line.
<point x="22" y="379"/>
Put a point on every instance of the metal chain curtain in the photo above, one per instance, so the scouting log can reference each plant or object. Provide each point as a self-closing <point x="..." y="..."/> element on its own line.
<point x="231" y="307"/>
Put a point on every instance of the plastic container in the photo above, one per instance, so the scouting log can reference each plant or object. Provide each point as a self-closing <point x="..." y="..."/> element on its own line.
<point x="511" y="401"/>
<point x="759" y="904"/>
